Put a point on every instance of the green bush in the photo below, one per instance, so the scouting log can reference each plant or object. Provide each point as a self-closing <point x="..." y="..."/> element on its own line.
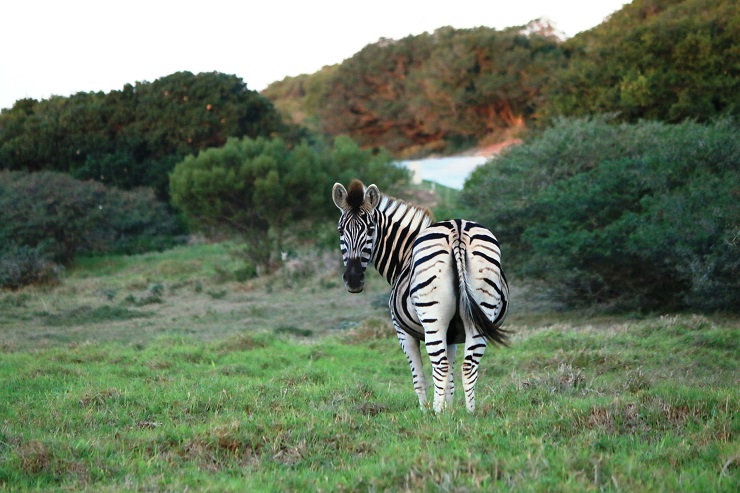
<point x="47" y="218"/>
<point x="24" y="265"/>
<point x="637" y="216"/>
<point x="135" y="222"/>
<point x="51" y="212"/>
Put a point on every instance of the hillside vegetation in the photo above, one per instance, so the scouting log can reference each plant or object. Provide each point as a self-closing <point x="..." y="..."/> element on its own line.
<point x="437" y="91"/>
<point x="454" y="88"/>
<point x="662" y="60"/>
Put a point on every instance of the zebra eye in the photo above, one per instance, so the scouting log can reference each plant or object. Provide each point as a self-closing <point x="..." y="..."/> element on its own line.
<point x="340" y="230"/>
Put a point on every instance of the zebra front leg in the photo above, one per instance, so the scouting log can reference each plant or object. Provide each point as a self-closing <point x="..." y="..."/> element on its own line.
<point x="411" y="348"/>
<point x="475" y="346"/>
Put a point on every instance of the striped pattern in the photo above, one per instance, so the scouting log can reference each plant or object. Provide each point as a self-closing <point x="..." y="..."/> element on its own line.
<point x="448" y="286"/>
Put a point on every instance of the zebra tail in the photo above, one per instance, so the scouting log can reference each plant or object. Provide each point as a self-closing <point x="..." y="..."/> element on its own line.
<point x="492" y="332"/>
<point x="472" y="310"/>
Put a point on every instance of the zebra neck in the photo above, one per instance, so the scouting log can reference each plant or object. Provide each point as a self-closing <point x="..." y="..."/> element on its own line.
<point x="398" y="225"/>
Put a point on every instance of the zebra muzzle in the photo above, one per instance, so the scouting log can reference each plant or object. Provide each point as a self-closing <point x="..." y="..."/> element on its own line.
<point x="354" y="276"/>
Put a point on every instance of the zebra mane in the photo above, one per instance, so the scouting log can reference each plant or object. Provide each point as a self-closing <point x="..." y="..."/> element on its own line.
<point x="390" y="205"/>
<point x="356" y="194"/>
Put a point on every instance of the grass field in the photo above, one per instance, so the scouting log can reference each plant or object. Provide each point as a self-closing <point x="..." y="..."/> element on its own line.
<point x="162" y="373"/>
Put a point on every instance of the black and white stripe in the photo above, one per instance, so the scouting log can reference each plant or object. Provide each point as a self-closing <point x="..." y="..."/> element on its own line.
<point x="448" y="286"/>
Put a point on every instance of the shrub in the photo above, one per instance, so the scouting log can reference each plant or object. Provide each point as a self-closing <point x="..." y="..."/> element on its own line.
<point x="23" y="265"/>
<point x="639" y="216"/>
<point x="47" y="218"/>
<point x="134" y="222"/>
<point x="51" y="212"/>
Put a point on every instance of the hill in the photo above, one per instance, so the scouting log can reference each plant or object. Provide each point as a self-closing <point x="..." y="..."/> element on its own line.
<point x="453" y="89"/>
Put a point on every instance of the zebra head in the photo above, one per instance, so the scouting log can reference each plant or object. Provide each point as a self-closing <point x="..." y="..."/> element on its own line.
<point x="356" y="229"/>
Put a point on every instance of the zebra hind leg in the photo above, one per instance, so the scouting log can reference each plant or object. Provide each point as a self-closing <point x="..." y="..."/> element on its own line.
<point x="475" y="346"/>
<point x="451" y="350"/>
<point x="441" y="374"/>
<point x="411" y="348"/>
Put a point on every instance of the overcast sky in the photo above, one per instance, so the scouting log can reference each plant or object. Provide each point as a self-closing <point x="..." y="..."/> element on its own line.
<point x="60" y="47"/>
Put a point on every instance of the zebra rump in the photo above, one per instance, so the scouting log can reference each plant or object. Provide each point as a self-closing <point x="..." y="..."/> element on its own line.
<point x="466" y="302"/>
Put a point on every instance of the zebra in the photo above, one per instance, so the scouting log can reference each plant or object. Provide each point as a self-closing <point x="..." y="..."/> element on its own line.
<point x="447" y="284"/>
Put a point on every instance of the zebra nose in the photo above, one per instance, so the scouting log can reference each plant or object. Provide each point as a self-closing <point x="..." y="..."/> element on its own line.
<point x="354" y="276"/>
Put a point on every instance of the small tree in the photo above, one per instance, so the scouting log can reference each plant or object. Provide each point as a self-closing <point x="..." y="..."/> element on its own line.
<point x="258" y="188"/>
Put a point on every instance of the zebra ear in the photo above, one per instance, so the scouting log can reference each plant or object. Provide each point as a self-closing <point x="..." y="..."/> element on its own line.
<point x="372" y="196"/>
<point x="339" y="194"/>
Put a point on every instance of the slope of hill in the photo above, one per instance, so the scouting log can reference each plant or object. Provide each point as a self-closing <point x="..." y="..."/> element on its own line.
<point x="454" y="89"/>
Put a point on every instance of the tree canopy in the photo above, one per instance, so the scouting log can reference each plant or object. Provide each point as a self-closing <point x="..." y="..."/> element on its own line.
<point x="658" y="59"/>
<point x="445" y="89"/>
<point x="133" y="137"/>
<point x="665" y="60"/>
<point x="256" y="188"/>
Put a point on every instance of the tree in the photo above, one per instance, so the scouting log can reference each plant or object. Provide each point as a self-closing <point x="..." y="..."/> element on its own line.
<point x="368" y="97"/>
<point x="434" y="91"/>
<point x="135" y="136"/>
<point x="480" y="81"/>
<point x="260" y="188"/>
<point x="659" y="59"/>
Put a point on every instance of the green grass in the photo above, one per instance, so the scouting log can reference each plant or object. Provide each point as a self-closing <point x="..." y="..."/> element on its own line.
<point x="289" y="383"/>
<point x="184" y="291"/>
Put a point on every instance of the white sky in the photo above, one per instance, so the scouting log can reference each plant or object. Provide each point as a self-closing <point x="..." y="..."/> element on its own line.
<point x="60" y="47"/>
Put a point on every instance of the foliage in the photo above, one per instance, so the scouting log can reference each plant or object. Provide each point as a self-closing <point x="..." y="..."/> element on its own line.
<point x="133" y="137"/>
<point x="432" y="91"/>
<point x="23" y="265"/>
<point x="299" y="98"/>
<point x="478" y="82"/>
<point x="257" y="188"/>
<point x="664" y="60"/>
<point x="643" y="215"/>
<point x="659" y="59"/>
<point x="48" y="218"/>
<point x="346" y="160"/>
<point x="135" y="221"/>
<point x="50" y="211"/>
